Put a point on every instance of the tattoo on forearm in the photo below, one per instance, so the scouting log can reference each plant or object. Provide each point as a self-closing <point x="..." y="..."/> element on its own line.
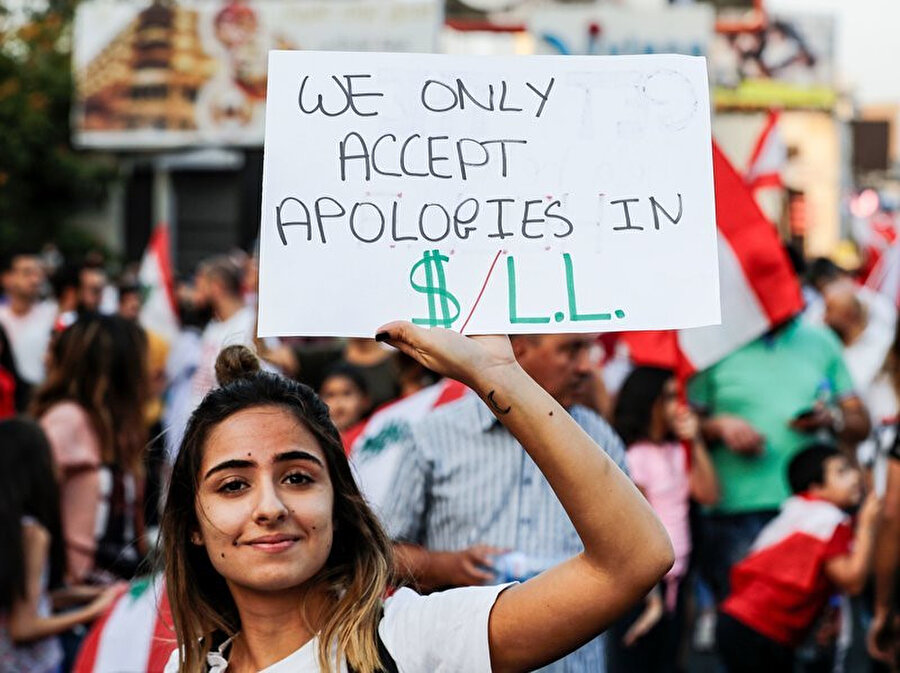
<point x="496" y="407"/>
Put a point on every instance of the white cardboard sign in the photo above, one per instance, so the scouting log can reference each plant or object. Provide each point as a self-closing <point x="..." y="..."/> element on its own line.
<point x="487" y="195"/>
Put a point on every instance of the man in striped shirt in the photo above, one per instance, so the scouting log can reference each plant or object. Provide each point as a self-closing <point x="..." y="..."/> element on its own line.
<point x="466" y="496"/>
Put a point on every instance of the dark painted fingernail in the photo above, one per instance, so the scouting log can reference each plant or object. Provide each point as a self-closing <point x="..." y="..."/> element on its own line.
<point x="382" y="336"/>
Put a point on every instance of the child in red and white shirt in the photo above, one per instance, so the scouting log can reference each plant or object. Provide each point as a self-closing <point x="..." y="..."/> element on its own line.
<point x="799" y="560"/>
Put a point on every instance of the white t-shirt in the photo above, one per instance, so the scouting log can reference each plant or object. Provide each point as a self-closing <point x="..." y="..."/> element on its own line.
<point x="443" y="632"/>
<point x="865" y="356"/>
<point x="238" y="329"/>
<point x="29" y="336"/>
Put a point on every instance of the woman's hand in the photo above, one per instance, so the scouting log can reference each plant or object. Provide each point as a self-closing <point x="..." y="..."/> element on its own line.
<point x="449" y="353"/>
<point x="882" y="637"/>
<point x="107" y="597"/>
<point x="686" y="425"/>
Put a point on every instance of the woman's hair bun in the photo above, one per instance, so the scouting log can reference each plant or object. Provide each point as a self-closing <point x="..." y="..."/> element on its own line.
<point x="234" y="363"/>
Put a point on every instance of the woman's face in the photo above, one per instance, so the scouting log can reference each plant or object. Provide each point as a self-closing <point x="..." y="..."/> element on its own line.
<point x="667" y="404"/>
<point x="265" y="502"/>
<point x="346" y="402"/>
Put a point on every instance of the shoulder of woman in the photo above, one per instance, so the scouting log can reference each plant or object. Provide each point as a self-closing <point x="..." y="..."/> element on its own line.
<point x="71" y="434"/>
<point x="34" y="533"/>
<point x="65" y="412"/>
<point x="447" y="627"/>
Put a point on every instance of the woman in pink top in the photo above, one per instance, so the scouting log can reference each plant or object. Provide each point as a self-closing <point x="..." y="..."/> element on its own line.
<point x="670" y="465"/>
<point x="91" y="408"/>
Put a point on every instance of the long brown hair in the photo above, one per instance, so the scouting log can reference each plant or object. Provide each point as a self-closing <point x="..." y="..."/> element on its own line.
<point x="357" y="569"/>
<point x="100" y="363"/>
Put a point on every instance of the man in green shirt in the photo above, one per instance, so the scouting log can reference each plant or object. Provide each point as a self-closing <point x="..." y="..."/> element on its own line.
<point x="762" y="404"/>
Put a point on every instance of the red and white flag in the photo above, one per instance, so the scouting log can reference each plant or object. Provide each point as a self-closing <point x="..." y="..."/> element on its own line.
<point x="759" y="288"/>
<point x="375" y="450"/>
<point x="885" y="275"/>
<point x="158" y="313"/>
<point x="768" y="158"/>
<point x="134" y="636"/>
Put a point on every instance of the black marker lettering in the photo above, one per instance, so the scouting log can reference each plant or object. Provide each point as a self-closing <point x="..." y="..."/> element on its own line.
<point x="502" y="107"/>
<point x="432" y="159"/>
<point x="281" y="224"/>
<point x="569" y="226"/>
<point x="628" y="224"/>
<point x="353" y="230"/>
<point x="457" y="220"/>
<point x="320" y="105"/>
<point x="375" y="149"/>
<point x="427" y="84"/>
<point x="403" y="167"/>
<point x="321" y="216"/>
<point x="464" y="93"/>
<point x="352" y="96"/>
<point x="463" y="163"/>
<point x="526" y="219"/>
<point x="657" y="209"/>
<point x="422" y="222"/>
<point x="543" y="96"/>
<point x="394" y="234"/>
<point x="344" y="157"/>
<point x="500" y="233"/>
<point x="502" y="144"/>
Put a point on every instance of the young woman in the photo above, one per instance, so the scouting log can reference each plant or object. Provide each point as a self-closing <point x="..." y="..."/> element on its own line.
<point x="33" y="558"/>
<point x="655" y="427"/>
<point x="92" y="409"/>
<point x="274" y="561"/>
<point x="346" y="395"/>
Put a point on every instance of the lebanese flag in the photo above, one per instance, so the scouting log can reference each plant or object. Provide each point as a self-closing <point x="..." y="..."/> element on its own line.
<point x="768" y="158"/>
<point x="134" y="636"/>
<point x="158" y="313"/>
<point x="375" y="450"/>
<point x="779" y="587"/>
<point x="759" y="288"/>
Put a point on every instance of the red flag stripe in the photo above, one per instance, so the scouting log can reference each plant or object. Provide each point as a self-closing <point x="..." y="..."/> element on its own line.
<point x="87" y="654"/>
<point x="159" y="244"/>
<point x="755" y="243"/>
<point x="764" y="137"/>
<point x="164" y="640"/>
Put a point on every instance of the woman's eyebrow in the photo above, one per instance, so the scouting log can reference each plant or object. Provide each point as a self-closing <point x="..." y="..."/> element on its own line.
<point x="229" y="464"/>
<point x="297" y="455"/>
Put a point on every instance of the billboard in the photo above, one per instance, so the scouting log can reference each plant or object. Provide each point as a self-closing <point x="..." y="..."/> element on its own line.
<point x="612" y="31"/>
<point x="163" y="74"/>
<point x="786" y="61"/>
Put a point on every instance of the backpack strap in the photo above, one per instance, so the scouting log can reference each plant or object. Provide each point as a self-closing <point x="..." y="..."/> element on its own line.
<point x="387" y="661"/>
<point x="388" y="665"/>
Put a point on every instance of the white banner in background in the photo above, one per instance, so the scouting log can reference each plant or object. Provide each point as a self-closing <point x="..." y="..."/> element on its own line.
<point x="156" y="73"/>
<point x="488" y="195"/>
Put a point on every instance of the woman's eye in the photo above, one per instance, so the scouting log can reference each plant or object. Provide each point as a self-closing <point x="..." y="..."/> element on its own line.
<point x="298" y="478"/>
<point x="235" y="486"/>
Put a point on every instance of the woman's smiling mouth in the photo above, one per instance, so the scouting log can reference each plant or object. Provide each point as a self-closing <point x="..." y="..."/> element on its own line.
<point x="273" y="543"/>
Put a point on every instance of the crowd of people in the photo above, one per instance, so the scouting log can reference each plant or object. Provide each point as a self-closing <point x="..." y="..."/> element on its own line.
<point x="123" y="451"/>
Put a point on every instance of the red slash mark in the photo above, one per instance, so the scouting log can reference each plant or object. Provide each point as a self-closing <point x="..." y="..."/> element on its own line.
<point x="481" y="293"/>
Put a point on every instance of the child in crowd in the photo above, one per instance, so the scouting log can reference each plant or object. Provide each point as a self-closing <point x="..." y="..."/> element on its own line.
<point x="33" y="557"/>
<point x="802" y="557"/>
<point x="345" y="393"/>
<point x="657" y="428"/>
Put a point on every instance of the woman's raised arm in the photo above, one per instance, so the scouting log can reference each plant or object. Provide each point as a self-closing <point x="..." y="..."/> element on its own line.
<point x="626" y="551"/>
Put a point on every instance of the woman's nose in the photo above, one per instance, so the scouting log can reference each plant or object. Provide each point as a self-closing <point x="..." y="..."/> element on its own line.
<point x="269" y="507"/>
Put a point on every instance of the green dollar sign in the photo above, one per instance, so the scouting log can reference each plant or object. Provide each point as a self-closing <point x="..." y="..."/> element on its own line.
<point x="435" y="286"/>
